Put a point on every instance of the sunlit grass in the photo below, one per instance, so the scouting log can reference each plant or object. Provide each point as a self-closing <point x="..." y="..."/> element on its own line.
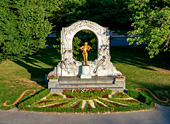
<point x="134" y="62"/>
<point x="143" y="72"/>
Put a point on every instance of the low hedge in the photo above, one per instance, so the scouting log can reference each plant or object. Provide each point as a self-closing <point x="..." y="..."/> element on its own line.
<point x="34" y="98"/>
<point x="140" y="96"/>
<point x="134" y="107"/>
<point x="125" y="101"/>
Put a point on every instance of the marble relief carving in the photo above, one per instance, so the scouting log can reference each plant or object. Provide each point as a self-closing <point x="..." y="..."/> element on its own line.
<point x="102" y="66"/>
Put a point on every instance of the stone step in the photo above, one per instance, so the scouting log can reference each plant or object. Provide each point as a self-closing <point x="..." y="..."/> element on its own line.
<point x="95" y="82"/>
<point x="60" y="83"/>
<point x="87" y="85"/>
<point x="89" y="81"/>
<point x="73" y="80"/>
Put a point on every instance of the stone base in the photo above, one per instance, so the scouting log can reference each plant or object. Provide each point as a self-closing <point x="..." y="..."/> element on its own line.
<point x="85" y="76"/>
<point x="77" y="83"/>
<point x="85" y="72"/>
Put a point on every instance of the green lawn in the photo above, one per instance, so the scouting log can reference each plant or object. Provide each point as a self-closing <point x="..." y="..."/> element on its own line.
<point x="143" y="72"/>
<point x="134" y="62"/>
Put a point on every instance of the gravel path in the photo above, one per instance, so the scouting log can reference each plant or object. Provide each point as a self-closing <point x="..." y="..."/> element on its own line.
<point x="160" y="115"/>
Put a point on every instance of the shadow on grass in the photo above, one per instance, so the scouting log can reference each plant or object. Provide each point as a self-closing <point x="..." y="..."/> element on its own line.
<point x="40" y="64"/>
<point x="44" y="61"/>
<point x="139" y="57"/>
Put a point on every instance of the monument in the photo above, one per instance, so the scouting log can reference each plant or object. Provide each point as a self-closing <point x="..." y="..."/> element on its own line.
<point x="71" y="73"/>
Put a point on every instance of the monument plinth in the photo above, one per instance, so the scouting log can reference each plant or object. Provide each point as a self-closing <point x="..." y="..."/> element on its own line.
<point x="69" y="68"/>
<point x="85" y="72"/>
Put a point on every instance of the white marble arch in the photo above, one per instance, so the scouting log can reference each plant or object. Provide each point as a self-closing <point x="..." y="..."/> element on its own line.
<point x="68" y="33"/>
<point x="99" y="67"/>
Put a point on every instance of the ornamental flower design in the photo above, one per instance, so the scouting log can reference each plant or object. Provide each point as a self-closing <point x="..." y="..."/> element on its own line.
<point x="52" y="77"/>
<point x="119" y="76"/>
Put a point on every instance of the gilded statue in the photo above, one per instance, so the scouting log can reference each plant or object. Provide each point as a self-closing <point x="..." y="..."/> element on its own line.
<point x="85" y="48"/>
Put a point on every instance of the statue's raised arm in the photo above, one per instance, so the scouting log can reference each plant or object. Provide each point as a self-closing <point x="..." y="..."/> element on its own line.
<point x="89" y="47"/>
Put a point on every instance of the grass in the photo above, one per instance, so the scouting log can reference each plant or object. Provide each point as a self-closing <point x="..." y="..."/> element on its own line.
<point x="134" y="62"/>
<point x="27" y="73"/>
<point x="143" y="72"/>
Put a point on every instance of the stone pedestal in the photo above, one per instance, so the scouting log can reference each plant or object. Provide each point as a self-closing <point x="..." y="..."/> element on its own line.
<point x="109" y="82"/>
<point x="85" y="72"/>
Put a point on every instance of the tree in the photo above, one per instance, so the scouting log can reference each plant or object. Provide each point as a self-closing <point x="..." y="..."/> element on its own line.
<point x="151" y="24"/>
<point x="24" y="26"/>
<point x="108" y="13"/>
<point x="79" y="40"/>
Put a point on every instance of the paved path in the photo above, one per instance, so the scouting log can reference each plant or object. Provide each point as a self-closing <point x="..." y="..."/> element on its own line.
<point x="160" y="115"/>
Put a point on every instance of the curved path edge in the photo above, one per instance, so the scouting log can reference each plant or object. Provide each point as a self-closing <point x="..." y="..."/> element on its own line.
<point x="5" y="103"/>
<point x="164" y="101"/>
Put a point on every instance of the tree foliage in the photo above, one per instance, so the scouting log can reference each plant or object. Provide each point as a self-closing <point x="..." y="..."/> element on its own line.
<point x="152" y="23"/>
<point x="24" y="26"/>
<point x="79" y="40"/>
<point x="109" y="13"/>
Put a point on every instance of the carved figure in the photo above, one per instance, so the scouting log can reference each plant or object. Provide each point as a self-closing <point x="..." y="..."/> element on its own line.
<point x="68" y="64"/>
<point x="103" y="60"/>
<point x="85" y="48"/>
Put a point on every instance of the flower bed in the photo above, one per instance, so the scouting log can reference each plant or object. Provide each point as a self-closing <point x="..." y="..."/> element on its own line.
<point x="110" y="104"/>
<point x="120" y="95"/>
<point x="119" y="76"/>
<point x="52" y="77"/>
<point x="126" y="101"/>
<point x="55" y="96"/>
<point x="77" y="105"/>
<point x="98" y="105"/>
<point x="87" y="93"/>
<point x="56" y="103"/>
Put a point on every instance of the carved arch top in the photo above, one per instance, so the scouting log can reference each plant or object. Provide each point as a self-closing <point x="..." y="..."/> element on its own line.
<point x="68" y="33"/>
